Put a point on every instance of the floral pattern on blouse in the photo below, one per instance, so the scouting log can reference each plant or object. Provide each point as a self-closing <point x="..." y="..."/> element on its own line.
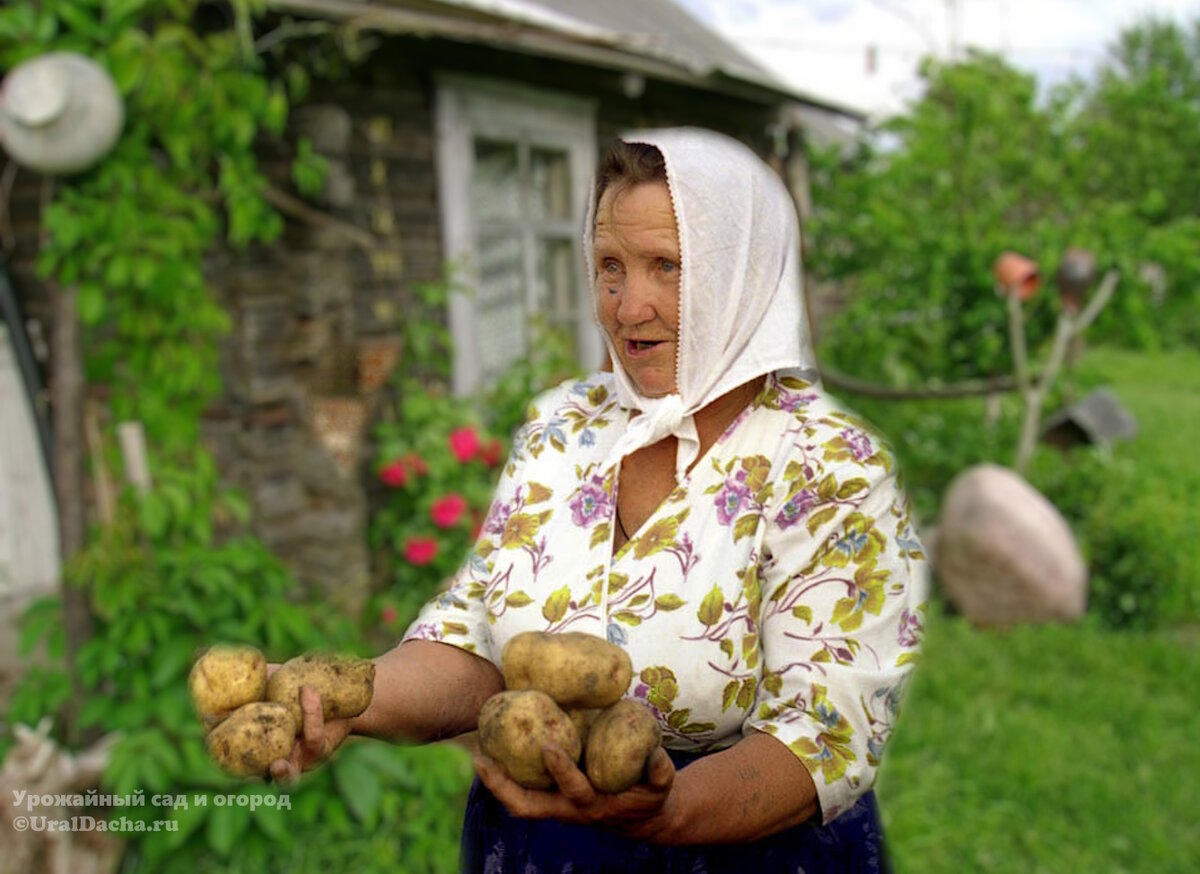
<point x="779" y="588"/>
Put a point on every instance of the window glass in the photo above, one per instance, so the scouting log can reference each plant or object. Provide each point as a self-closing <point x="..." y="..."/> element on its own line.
<point x="500" y="302"/>
<point x="496" y="180"/>
<point x="556" y="282"/>
<point x="550" y="184"/>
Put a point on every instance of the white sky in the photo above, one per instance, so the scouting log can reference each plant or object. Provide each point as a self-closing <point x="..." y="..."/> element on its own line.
<point x="820" y="47"/>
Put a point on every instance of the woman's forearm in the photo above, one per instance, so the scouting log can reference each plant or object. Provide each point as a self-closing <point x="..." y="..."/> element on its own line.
<point x="753" y="789"/>
<point x="426" y="691"/>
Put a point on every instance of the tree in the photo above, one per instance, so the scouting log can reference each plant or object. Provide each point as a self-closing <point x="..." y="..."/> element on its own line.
<point x="911" y="222"/>
<point x="915" y="219"/>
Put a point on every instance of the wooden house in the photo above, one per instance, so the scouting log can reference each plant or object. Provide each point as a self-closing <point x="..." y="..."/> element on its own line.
<point x="466" y="136"/>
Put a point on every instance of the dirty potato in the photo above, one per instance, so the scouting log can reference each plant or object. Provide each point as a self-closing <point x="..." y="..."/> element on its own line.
<point x="577" y="670"/>
<point x="346" y="684"/>
<point x="515" y="726"/>
<point x="223" y="679"/>
<point x="253" y="736"/>
<point x="619" y="744"/>
<point x="582" y="719"/>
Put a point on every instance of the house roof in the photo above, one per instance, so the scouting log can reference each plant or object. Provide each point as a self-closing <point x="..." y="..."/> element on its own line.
<point x="655" y="38"/>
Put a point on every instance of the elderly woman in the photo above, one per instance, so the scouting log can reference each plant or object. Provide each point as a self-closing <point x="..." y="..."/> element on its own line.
<point x="710" y="509"/>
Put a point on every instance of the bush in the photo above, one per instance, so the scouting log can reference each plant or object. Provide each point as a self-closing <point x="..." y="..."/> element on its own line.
<point x="439" y="456"/>
<point x="1122" y="531"/>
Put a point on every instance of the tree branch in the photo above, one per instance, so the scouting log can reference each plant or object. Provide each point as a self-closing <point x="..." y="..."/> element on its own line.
<point x="310" y="215"/>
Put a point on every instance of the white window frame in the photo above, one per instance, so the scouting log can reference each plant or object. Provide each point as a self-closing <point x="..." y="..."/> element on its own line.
<point x="467" y="107"/>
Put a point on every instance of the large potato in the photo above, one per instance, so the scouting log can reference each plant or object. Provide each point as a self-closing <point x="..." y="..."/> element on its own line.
<point x="575" y="669"/>
<point x="515" y="726"/>
<point x="346" y="684"/>
<point x="224" y="678"/>
<point x="254" y="735"/>
<point x="620" y="743"/>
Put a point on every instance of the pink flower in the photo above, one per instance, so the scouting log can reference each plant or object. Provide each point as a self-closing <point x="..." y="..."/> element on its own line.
<point x="447" y="510"/>
<point x="420" y="550"/>
<point x="387" y="615"/>
<point x="492" y="452"/>
<point x="464" y="443"/>
<point x="394" y="474"/>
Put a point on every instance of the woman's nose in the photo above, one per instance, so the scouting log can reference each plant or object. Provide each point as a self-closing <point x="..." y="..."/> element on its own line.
<point x="635" y="305"/>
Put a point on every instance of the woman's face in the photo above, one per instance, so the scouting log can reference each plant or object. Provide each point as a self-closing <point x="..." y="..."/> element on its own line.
<point x="637" y="279"/>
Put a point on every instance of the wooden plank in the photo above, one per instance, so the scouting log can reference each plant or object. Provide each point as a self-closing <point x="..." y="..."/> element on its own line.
<point x="29" y="558"/>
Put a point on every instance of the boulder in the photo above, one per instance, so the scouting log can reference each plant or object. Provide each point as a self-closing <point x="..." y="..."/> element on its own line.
<point x="1004" y="554"/>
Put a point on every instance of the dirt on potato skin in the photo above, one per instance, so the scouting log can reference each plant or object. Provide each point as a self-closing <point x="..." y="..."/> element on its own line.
<point x="620" y="743"/>
<point x="515" y="726"/>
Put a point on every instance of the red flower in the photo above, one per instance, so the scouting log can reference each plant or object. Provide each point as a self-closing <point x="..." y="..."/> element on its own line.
<point x="417" y="463"/>
<point x="492" y="452"/>
<point x="420" y="550"/>
<point x="388" y="615"/>
<point x="447" y="510"/>
<point x="394" y="474"/>
<point x="464" y="443"/>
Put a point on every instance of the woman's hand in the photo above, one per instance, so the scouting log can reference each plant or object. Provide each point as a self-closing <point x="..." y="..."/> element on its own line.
<point x="318" y="739"/>
<point x="641" y="812"/>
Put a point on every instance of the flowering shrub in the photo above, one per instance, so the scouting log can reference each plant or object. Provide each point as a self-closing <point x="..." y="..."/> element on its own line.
<point x="439" y="457"/>
<point x="438" y="484"/>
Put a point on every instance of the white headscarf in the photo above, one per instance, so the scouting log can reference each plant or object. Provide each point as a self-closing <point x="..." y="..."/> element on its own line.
<point x="741" y="309"/>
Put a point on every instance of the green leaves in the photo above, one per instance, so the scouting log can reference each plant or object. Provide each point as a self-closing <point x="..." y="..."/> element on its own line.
<point x="308" y="168"/>
<point x="359" y="786"/>
<point x="712" y="607"/>
<point x="555" y="607"/>
<point x="668" y="602"/>
<point x="980" y="165"/>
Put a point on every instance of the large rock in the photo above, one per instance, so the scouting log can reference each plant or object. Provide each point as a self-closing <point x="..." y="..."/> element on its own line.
<point x="1004" y="554"/>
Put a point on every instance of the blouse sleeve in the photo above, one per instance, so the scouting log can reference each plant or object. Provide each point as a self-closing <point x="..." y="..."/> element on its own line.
<point x="842" y="586"/>
<point x="458" y="614"/>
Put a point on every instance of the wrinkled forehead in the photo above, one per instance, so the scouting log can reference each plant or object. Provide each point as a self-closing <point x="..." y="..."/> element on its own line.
<point x="640" y="215"/>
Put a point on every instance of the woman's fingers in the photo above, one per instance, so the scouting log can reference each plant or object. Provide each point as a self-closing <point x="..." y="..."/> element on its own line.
<point x="572" y="782"/>
<point x="311" y="746"/>
<point x="285" y="770"/>
<point x="312" y="732"/>
<point x="661" y="773"/>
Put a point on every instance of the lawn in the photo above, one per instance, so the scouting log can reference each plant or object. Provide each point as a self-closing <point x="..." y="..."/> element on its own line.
<point x="1047" y="749"/>
<point x="1066" y="748"/>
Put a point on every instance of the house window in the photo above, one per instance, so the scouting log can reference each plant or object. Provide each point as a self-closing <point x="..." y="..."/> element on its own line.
<point x="514" y="166"/>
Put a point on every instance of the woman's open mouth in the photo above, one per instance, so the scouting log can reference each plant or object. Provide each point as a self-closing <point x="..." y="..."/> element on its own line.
<point x="637" y="348"/>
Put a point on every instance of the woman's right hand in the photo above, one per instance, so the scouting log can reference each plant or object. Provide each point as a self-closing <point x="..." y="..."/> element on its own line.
<point x="319" y="738"/>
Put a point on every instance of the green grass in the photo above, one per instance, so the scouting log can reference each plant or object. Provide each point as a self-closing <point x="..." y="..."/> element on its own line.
<point x="1047" y="749"/>
<point x="1065" y="748"/>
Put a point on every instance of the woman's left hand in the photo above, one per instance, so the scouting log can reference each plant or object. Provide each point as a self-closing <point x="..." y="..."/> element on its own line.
<point x="640" y="812"/>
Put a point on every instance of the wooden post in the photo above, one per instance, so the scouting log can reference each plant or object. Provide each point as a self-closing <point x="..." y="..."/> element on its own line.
<point x="67" y="404"/>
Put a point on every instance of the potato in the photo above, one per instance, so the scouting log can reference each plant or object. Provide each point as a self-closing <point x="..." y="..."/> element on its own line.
<point x="254" y="735"/>
<point x="346" y="684"/>
<point x="582" y="719"/>
<point x="223" y="679"/>
<point x="577" y="670"/>
<point x="513" y="728"/>
<point x="620" y="743"/>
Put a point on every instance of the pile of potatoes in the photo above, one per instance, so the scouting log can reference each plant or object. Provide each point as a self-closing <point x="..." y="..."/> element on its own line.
<point x="251" y="720"/>
<point x="566" y="689"/>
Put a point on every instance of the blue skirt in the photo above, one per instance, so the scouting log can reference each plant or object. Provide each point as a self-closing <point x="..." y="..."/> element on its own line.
<point x="494" y="842"/>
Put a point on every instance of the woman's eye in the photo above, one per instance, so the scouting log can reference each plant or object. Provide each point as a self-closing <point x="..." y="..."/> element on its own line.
<point x="668" y="266"/>
<point x="610" y="267"/>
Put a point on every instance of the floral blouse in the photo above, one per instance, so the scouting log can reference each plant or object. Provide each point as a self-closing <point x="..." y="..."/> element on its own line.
<point x="780" y="587"/>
